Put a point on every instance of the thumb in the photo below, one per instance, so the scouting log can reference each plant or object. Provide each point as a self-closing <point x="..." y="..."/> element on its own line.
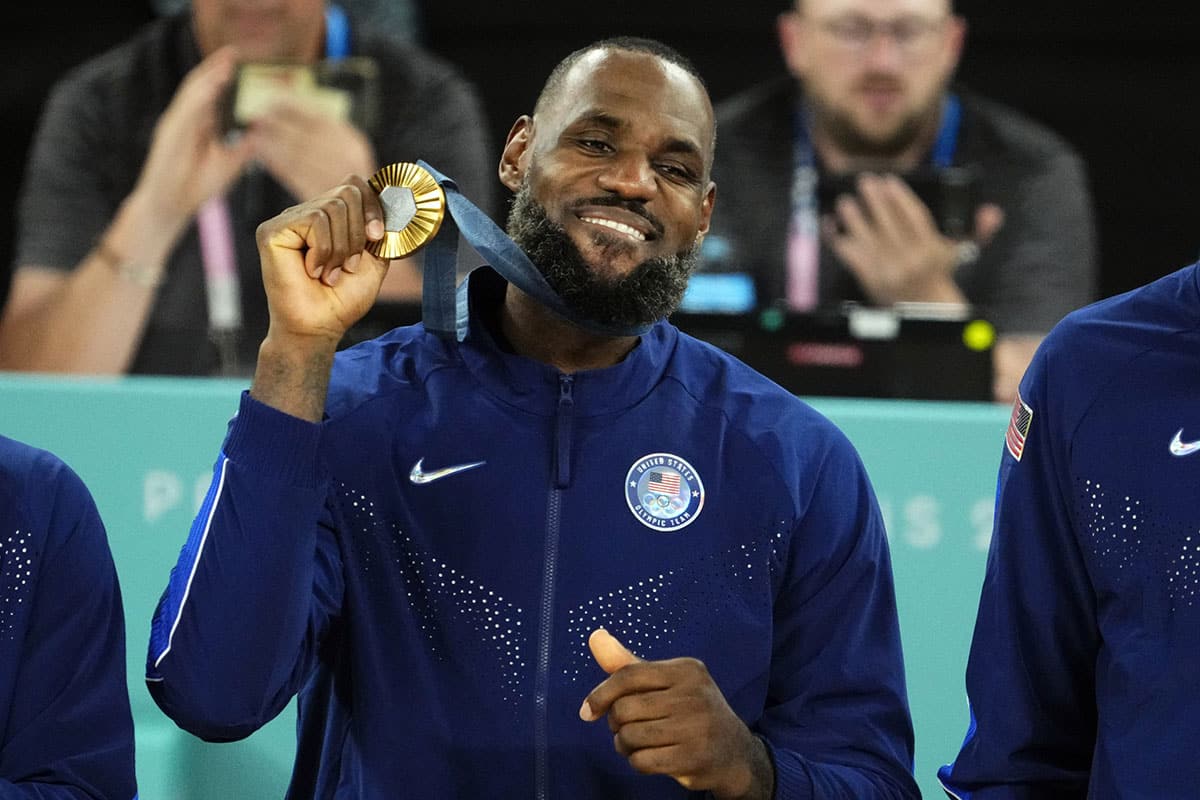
<point x="989" y="219"/>
<point x="609" y="653"/>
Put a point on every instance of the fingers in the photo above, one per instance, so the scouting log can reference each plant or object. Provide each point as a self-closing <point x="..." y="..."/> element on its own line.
<point x="989" y="219"/>
<point x="661" y="761"/>
<point x="641" y="678"/>
<point x="853" y="218"/>
<point x="348" y="209"/>
<point x="331" y="232"/>
<point x="609" y="653"/>
<point x="337" y="210"/>
<point x="372" y="209"/>
<point x="195" y="103"/>
<point x="875" y="196"/>
<point x="670" y="718"/>
<point x="909" y="215"/>
<point x="894" y="210"/>
<point x="642" y="707"/>
<point x="307" y="153"/>
<point x="210" y="77"/>
<point x="281" y="148"/>
<point x="318" y="241"/>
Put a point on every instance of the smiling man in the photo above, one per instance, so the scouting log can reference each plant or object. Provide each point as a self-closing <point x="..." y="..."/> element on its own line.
<point x="816" y="214"/>
<point x="462" y="555"/>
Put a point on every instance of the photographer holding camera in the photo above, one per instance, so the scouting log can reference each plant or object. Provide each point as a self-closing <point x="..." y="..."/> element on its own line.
<point x="868" y="104"/>
<point x="136" y="248"/>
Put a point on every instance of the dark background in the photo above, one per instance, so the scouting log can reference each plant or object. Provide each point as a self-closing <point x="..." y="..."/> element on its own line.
<point x="1119" y="84"/>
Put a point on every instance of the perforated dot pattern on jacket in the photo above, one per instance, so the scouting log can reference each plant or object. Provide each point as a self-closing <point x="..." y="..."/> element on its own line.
<point x="16" y="581"/>
<point x="653" y="613"/>
<point x="458" y="616"/>
<point x="1132" y="543"/>
<point x="1114" y="524"/>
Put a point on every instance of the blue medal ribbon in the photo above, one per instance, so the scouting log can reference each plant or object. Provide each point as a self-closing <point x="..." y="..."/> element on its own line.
<point x="444" y="311"/>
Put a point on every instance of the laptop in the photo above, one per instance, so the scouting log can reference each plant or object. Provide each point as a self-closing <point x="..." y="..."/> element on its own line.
<point x="856" y="352"/>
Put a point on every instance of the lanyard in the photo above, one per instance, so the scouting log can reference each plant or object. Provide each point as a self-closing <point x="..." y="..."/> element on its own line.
<point x="214" y="224"/>
<point x="444" y="311"/>
<point x="337" y="32"/>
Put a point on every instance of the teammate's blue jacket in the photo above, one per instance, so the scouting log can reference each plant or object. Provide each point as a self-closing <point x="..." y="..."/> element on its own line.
<point x="1083" y="671"/>
<point x="65" y="726"/>
<point x="425" y="566"/>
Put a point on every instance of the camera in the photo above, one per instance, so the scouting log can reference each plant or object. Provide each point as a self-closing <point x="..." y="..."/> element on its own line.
<point x="343" y="88"/>
<point x="950" y="193"/>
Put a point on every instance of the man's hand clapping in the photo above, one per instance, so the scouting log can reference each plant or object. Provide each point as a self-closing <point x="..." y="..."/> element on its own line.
<point x="190" y="161"/>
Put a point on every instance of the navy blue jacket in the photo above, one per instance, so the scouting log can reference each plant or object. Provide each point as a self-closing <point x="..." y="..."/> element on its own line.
<point x="1082" y="674"/>
<point x="65" y="726"/>
<point x="425" y="566"/>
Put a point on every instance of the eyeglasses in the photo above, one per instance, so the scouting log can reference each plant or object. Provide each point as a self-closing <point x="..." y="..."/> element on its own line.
<point x="913" y="36"/>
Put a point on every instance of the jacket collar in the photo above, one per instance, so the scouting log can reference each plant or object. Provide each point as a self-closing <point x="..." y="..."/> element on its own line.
<point x="535" y="387"/>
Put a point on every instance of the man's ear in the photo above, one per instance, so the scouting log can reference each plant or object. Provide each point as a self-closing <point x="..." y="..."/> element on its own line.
<point x="706" y="209"/>
<point x="792" y="42"/>
<point x="515" y="158"/>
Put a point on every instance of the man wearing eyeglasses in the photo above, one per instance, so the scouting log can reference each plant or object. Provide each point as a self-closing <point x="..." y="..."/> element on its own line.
<point x="817" y="212"/>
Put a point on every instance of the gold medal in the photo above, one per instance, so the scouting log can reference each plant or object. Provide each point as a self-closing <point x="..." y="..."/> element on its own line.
<point x="413" y="208"/>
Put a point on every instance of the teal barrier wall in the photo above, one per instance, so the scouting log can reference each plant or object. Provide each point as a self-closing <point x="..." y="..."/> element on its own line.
<point x="146" y="447"/>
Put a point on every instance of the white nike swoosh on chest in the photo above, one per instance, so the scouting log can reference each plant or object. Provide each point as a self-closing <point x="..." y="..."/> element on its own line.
<point x="1182" y="448"/>
<point x="420" y="476"/>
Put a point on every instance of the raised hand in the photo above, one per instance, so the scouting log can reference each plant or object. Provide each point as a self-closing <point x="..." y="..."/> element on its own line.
<point x="320" y="280"/>
<point x="669" y="718"/>
<point x="319" y="277"/>
<point x="307" y="151"/>
<point x="189" y="160"/>
<point x="890" y="241"/>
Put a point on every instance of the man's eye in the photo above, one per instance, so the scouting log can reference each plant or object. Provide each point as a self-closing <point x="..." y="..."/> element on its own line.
<point x="675" y="171"/>
<point x="596" y="145"/>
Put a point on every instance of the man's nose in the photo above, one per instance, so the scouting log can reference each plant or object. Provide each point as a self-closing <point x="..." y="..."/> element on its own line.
<point x="629" y="175"/>
<point x="883" y="53"/>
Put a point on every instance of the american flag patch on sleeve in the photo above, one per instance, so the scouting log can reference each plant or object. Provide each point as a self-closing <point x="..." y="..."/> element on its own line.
<point x="1018" y="427"/>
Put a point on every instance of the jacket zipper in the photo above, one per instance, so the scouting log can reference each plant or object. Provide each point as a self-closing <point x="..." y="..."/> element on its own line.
<point x="562" y="431"/>
<point x="564" y="420"/>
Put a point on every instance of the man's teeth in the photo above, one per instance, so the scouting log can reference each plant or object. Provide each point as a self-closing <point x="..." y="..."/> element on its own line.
<point x="620" y="227"/>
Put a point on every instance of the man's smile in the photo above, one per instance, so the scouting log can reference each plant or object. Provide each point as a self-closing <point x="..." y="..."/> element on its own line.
<point x="629" y="224"/>
<point x="619" y="227"/>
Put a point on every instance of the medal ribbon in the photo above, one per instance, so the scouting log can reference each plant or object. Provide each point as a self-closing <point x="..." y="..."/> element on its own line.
<point x="444" y="311"/>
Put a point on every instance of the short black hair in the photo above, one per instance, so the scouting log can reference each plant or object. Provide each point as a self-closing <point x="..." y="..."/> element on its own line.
<point x="632" y="44"/>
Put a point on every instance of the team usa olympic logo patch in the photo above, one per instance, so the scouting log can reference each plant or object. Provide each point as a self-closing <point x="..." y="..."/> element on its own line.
<point x="664" y="492"/>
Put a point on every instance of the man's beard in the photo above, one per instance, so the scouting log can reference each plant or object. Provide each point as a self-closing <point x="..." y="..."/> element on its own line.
<point x="650" y="292"/>
<point x="854" y="142"/>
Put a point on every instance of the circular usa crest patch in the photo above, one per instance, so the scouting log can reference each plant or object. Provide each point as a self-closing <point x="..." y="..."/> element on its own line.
<point x="664" y="492"/>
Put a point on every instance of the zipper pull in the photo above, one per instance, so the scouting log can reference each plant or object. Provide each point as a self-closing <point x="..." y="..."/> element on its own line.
<point x="562" y="432"/>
